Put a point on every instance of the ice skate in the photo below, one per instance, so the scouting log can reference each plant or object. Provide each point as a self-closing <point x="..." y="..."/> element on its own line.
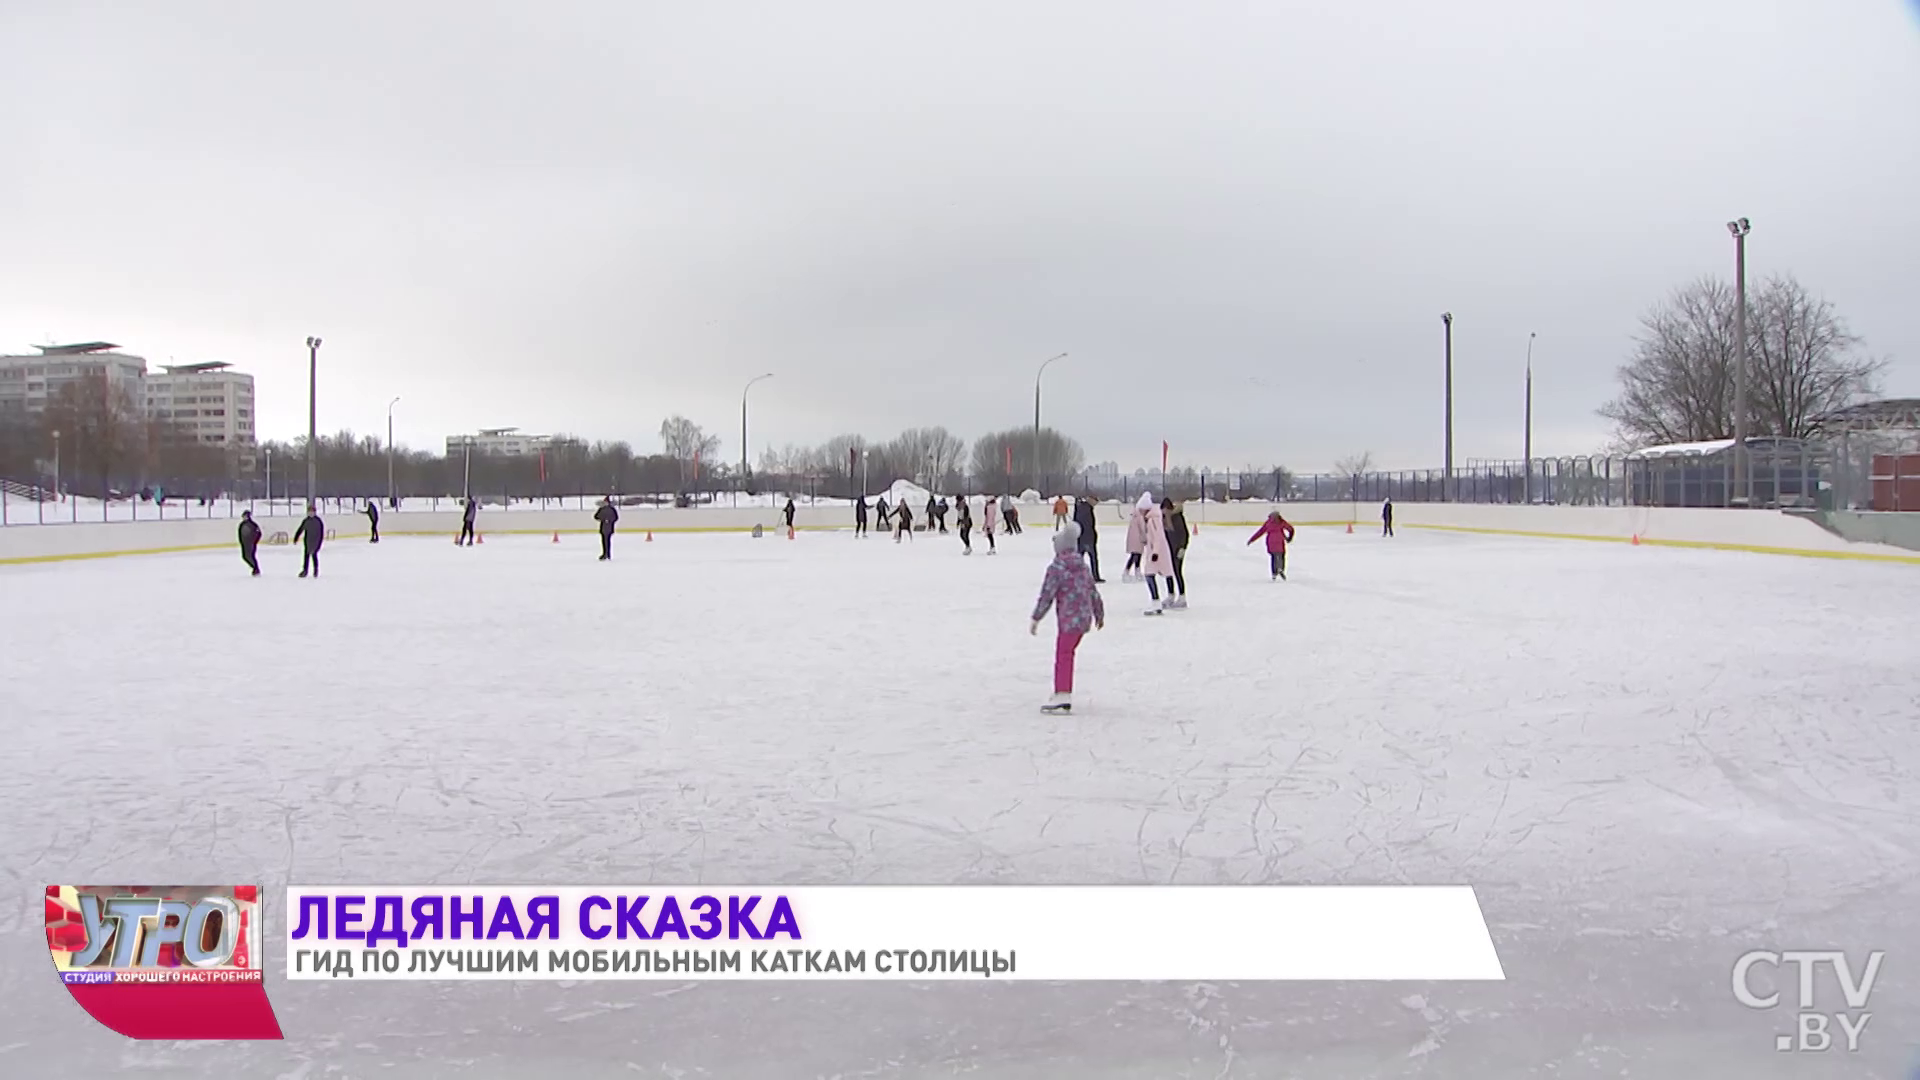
<point x="1058" y="703"/>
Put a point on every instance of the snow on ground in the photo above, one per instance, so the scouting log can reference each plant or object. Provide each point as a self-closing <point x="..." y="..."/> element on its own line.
<point x="1648" y="761"/>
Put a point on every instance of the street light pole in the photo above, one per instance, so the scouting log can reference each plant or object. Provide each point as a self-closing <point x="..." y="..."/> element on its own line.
<point x="56" y="466"/>
<point x="1526" y="453"/>
<point x="743" y="425"/>
<point x="313" y="413"/>
<point x="1742" y="467"/>
<point x="1036" y="421"/>
<point x="1446" y="477"/>
<point x="390" y="406"/>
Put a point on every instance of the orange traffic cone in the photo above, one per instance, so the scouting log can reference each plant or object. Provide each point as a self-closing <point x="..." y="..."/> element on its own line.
<point x="479" y="538"/>
<point x="1349" y="528"/>
<point x="556" y="536"/>
<point x="1636" y="539"/>
<point x="649" y="536"/>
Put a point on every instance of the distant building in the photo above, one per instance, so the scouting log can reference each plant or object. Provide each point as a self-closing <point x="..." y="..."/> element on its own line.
<point x="502" y="442"/>
<point x="209" y="401"/>
<point x="29" y="383"/>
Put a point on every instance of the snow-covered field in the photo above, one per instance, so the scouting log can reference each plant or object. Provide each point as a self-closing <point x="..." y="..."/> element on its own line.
<point x="1648" y="760"/>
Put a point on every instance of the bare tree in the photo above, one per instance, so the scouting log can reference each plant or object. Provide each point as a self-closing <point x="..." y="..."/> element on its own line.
<point x="1059" y="457"/>
<point x="102" y="427"/>
<point x="1351" y="468"/>
<point x="1678" y="385"/>
<point x="686" y="442"/>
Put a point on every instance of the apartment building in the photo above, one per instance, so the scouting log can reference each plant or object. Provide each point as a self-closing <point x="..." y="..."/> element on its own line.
<point x="29" y="383"/>
<point x="210" y="401"/>
<point x="504" y="442"/>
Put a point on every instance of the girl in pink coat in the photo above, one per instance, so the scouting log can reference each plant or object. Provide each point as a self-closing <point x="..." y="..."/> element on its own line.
<point x="1136" y="537"/>
<point x="1278" y="531"/>
<point x="1156" y="558"/>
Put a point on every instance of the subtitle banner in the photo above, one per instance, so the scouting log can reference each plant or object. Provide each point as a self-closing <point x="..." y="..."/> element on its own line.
<point x="913" y="933"/>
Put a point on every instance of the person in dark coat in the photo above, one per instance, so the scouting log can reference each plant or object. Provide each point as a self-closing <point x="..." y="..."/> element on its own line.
<point x="933" y="509"/>
<point x="249" y="541"/>
<point x="1386" y="518"/>
<point x="886" y="513"/>
<point x="310" y="535"/>
<point x="860" y="517"/>
<point x="1011" y="512"/>
<point x="904" y="515"/>
<point x="466" y="522"/>
<point x="940" y="515"/>
<point x="608" y="517"/>
<point x="1089" y="536"/>
<point x="373" y="519"/>
<point x="964" y="519"/>
<point x="788" y="511"/>
<point x="1178" y="534"/>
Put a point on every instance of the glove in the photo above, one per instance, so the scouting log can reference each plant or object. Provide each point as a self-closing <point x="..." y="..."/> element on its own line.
<point x="1033" y="628"/>
<point x="1099" y="624"/>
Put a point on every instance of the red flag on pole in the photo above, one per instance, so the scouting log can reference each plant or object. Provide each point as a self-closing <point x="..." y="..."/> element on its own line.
<point x="1163" y="455"/>
<point x="543" y="466"/>
<point x="1009" y="449"/>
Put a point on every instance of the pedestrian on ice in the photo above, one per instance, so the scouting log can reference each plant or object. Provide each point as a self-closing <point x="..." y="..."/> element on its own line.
<point x="1279" y="533"/>
<point x="1386" y="518"/>
<point x="1069" y="590"/>
<point x="373" y="520"/>
<point x="903" y="515"/>
<point x="860" y="517"/>
<point x="964" y="520"/>
<point x="1060" y="512"/>
<point x="1156" y="558"/>
<point x="1089" y="536"/>
<point x="1011" y="511"/>
<point x="608" y="516"/>
<point x="886" y="514"/>
<point x="1136" y="536"/>
<point x="940" y="515"/>
<point x="466" y="522"/>
<point x="788" y="511"/>
<point x="249" y="541"/>
<point x="310" y="535"/>
<point x="988" y="523"/>
<point x="1177" y="536"/>
<point x="933" y="513"/>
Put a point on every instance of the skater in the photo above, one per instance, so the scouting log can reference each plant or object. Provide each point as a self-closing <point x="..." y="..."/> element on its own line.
<point x="964" y="520"/>
<point x="1386" y="518"/>
<point x="466" y="523"/>
<point x="1089" y="536"/>
<point x="932" y="513"/>
<point x="1069" y="590"/>
<point x="373" y="520"/>
<point x="940" y="515"/>
<point x="310" y="535"/>
<point x="788" y="511"/>
<point x="1279" y="533"/>
<point x="608" y="516"/>
<point x="860" y="517"/>
<point x="988" y="523"/>
<point x="886" y="514"/>
<point x="1177" y="536"/>
<point x="903" y="514"/>
<point x="249" y="541"/>
<point x="1136" y="537"/>
<point x="1059" y="512"/>
<point x="1011" y="511"/>
<point x="1156" y="559"/>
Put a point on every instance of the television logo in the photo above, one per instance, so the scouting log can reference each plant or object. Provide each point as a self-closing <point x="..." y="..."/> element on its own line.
<point x="179" y="962"/>
<point x="1815" y="1019"/>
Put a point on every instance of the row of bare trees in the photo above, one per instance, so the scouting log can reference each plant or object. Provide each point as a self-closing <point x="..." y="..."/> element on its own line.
<point x="100" y="440"/>
<point x="1803" y="363"/>
<point x="933" y="457"/>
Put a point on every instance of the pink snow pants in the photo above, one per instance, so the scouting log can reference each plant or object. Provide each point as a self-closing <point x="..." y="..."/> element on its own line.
<point x="1063" y="649"/>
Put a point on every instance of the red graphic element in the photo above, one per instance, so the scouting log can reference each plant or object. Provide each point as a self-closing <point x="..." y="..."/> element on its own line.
<point x="226" y="1000"/>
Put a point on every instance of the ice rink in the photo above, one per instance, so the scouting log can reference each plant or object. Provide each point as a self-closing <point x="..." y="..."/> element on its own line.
<point x="1647" y="760"/>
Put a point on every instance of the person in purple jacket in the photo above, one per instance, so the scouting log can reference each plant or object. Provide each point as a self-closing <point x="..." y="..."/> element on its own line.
<point x="1070" y="592"/>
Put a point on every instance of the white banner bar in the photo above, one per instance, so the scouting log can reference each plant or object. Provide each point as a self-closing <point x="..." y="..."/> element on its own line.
<point x="1050" y="933"/>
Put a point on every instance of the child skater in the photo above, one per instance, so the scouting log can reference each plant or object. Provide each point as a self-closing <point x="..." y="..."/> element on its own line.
<point x="988" y="521"/>
<point x="1178" y="537"/>
<point x="1069" y="590"/>
<point x="903" y="515"/>
<point x="1278" y="532"/>
<point x="965" y="522"/>
<point x="1136" y="537"/>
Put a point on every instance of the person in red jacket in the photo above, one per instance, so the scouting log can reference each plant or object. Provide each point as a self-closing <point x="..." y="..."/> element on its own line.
<point x="1279" y="532"/>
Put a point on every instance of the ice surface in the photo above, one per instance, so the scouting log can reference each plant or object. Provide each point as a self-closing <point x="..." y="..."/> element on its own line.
<point x="1648" y="760"/>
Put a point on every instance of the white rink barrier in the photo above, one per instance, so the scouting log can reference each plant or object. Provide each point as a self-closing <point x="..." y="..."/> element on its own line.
<point x="1738" y="530"/>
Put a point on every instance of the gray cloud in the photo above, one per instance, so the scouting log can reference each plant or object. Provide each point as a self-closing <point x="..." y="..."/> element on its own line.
<point x="584" y="216"/>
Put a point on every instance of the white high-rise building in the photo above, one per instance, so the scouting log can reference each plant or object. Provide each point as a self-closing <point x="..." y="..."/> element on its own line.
<point x="29" y="383"/>
<point x="504" y="442"/>
<point x="209" y="401"/>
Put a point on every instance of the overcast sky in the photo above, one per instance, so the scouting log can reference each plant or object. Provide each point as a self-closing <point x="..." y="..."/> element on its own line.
<point x="1241" y="220"/>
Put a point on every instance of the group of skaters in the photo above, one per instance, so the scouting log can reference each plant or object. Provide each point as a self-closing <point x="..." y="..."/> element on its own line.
<point x="310" y="535"/>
